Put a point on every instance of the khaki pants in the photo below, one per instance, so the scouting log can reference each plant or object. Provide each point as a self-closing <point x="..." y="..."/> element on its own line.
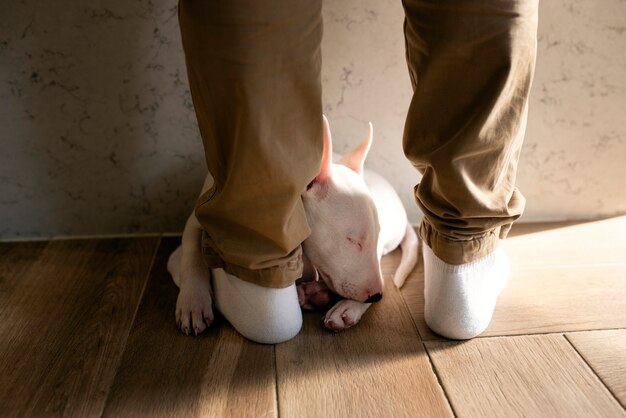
<point x="254" y="72"/>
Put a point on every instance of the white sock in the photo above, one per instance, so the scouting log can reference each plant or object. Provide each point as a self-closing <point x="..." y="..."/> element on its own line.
<point x="261" y="314"/>
<point x="460" y="299"/>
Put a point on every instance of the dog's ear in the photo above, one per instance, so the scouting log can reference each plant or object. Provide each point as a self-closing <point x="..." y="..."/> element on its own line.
<point x="327" y="153"/>
<point x="327" y="157"/>
<point x="355" y="158"/>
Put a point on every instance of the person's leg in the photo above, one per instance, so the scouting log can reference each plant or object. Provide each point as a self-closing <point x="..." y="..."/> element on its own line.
<point x="254" y="74"/>
<point x="471" y="64"/>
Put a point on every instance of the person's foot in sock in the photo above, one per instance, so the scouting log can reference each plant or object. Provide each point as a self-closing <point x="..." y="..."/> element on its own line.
<point x="460" y="299"/>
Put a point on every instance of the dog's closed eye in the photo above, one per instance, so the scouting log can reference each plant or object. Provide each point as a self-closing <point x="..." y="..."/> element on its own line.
<point x="356" y="243"/>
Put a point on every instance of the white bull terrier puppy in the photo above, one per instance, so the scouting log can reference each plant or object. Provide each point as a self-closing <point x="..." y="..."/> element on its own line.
<point x="355" y="216"/>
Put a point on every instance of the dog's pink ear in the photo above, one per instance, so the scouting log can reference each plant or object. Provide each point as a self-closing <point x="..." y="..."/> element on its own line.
<point x="327" y="156"/>
<point x="327" y="153"/>
<point x="355" y="158"/>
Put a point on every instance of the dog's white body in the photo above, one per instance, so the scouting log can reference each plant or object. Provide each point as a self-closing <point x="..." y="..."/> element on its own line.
<point x="355" y="216"/>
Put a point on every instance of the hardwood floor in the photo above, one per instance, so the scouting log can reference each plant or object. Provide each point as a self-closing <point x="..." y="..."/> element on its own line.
<point x="166" y="373"/>
<point x="605" y="352"/>
<point x="66" y="311"/>
<point x="379" y="368"/>
<point x="87" y="329"/>
<point x="520" y="376"/>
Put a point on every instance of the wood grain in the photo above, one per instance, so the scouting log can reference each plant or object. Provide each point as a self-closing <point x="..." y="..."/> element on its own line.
<point x="557" y="300"/>
<point x="15" y="259"/>
<point x="605" y="352"/>
<point x="66" y="309"/>
<point x="554" y="298"/>
<point x="65" y="320"/>
<point x="166" y="373"/>
<point x="562" y="244"/>
<point x="378" y="368"/>
<point x="540" y="376"/>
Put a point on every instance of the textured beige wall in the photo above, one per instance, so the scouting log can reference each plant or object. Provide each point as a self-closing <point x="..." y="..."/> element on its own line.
<point x="98" y="136"/>
<point x="574" y="162"/>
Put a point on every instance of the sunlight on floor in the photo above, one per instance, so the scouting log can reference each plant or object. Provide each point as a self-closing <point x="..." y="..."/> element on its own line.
<point x="572" y="244"/>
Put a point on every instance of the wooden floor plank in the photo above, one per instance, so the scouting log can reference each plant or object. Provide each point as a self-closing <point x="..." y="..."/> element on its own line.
<point x="166" y="373"/>
<point x="378" y="368"/>
<point x="531" y="246"/>
<point x="64" y="323"/>
<point x="557" y="300"/>
<point x="66" y="309"/>
<point x="15" y="259"/>
<point x="530" y="376"/>
<point x="605" y="352"/>
<point x="545" y="299"/>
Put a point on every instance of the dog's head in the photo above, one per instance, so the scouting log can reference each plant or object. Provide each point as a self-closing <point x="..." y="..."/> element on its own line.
<point x="343" y="245"/>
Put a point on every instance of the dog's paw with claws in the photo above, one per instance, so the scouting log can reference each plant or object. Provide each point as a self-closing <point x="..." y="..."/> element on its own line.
<point x="345" y="314"/>
<point x="194" y="307"/>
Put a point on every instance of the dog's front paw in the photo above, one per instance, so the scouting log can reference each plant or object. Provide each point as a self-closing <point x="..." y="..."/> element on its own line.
<point x="345" y="314"/>
<point x="194" y="307"/>
<point x="313" y="295"/>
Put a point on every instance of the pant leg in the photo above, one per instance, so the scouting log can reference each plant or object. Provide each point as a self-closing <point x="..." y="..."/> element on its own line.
<point x="254" y="73"/>
<point x="471" y="64"/>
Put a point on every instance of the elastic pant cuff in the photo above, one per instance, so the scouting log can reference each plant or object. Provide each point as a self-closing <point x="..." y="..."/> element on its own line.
<point x="461" y="251"/>
<point x="277" y="277"/>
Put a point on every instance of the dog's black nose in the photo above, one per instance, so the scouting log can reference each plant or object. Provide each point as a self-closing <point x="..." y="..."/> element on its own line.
<point x="374" y="298"/>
